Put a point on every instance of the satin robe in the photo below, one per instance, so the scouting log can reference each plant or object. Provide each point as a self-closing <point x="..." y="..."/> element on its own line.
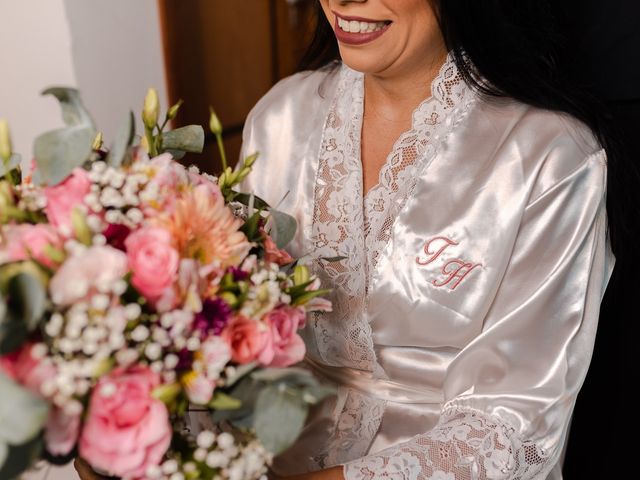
<point x="466" y="308"/>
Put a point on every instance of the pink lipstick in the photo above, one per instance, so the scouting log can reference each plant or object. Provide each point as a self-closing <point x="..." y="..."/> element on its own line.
<point x="357" y="30"/>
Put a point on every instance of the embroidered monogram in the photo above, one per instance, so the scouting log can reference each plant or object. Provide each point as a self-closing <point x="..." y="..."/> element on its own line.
<point x="454" y="271"/>
<point x="432" y="256"/>
<point x="456" y="274"/>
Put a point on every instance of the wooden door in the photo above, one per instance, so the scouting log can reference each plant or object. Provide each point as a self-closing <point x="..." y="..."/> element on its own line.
<point x="227" y="54"/>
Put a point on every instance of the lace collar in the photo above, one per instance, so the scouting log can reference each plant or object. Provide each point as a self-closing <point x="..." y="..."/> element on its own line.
<point x="346" y="223"/>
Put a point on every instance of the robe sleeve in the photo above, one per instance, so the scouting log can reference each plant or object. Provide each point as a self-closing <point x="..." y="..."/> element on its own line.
<point x="510" y="392"/>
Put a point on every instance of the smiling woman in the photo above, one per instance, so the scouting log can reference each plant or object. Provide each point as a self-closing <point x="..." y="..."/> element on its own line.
<point x="440" y="157"/>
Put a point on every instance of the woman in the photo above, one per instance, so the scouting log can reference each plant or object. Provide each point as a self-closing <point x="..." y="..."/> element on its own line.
<point x="463" y="180"/>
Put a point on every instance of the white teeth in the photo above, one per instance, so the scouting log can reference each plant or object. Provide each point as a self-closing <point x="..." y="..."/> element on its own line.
<point x="354" y="26"/>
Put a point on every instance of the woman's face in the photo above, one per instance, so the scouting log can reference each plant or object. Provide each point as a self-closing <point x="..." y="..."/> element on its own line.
<point x="386" y="37"/>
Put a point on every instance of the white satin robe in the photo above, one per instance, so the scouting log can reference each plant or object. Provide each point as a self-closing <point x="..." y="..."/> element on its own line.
<point x="466" y="309"/>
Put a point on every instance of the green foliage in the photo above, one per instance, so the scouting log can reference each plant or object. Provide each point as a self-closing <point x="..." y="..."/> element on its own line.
<point x="222" y="401"/>
<point x="280" y="416"/>
<point x="22" y="417"/>
<point x="186" y="139"/>
<point x="124" y="139"/>
<point x="10" y="166"/>
<point x="284" y="228"/>
<point x="23" y="311"/>
<point x="58" y="152"/>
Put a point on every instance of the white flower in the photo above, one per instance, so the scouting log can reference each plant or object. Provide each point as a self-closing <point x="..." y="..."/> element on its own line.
<point x="225" y="440"/>
<point x="205" y="439"/>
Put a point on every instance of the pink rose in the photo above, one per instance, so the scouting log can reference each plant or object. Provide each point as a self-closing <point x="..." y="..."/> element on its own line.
<point x="64" y="197"/>
<point x="61" y="432"/>
<point x="97" y="267"/>
<point x="272" y="253"/>
<point x="249" y="341"/>
<point x="288" y="347"/>
<point x="29" y="241"/>
<point x="126" y="430"/>
<point x="153" y="261"/>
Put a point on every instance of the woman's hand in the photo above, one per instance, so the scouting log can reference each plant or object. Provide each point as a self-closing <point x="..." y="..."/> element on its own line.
<point x="334" y="473"/>
<point x="85" y="472"/>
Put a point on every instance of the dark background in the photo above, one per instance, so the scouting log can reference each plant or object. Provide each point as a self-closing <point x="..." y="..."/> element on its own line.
<point x="605" y="38"/>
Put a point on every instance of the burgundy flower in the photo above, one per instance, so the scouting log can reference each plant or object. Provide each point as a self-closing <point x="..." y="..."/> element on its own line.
<point x="213" y="317"/>
<point x="238" y="274"/>
<point x="116" y="235"/>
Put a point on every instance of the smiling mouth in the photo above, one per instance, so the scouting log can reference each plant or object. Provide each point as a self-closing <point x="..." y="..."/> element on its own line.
<point x="353" y="25"/>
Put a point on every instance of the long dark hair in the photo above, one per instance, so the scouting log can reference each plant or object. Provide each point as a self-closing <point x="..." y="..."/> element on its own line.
<point x="517" y="47"/>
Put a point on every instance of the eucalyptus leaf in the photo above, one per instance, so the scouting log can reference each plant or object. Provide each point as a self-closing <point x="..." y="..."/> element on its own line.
<point x="316" y="393"/>
<point x="284" y="228"/>
<point x="20" y="458"/>
<point x="22" y="314"/>
<point x="291" y="376"/>
<point x="240" y="372"/>
<point x="279" y="417"/>
<point x="13" y="334"/>
<point x="188" y="139"/>
<point x="27" y="299"/>
<point x="244" y="199"/>
<point x="22" y="417"/>
<point x="58" y="152"/>
<point x="246" y="390"/>
<point x="176" y="154"/>
<point x="124" y="139"/>
<point x="74" y="112"/>
<point x="12" y="164"/>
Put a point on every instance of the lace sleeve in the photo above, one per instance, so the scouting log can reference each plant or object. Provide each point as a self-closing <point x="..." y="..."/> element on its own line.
<point x="466" y="445"/>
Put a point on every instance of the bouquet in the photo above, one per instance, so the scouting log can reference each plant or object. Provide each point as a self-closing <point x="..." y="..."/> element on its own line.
<point x="133" y="289"/>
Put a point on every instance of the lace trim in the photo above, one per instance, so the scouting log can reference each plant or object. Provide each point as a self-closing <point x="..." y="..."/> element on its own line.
<point x="346" y="223"/>
<point x="466" y="445"/>
<point x="349" y="225"/>
<point x="411" y="154"/>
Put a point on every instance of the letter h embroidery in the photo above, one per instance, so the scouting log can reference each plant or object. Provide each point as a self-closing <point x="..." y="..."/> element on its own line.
<point x="454" y="271"/>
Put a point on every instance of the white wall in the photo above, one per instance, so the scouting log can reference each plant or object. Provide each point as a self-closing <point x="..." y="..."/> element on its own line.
<point x="110" y="49"/>
<point x="117" y="52"/>
<point x="35" y="53"/>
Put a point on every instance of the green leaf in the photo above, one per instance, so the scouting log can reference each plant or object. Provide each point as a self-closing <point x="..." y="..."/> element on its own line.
<point x="244" y="199"/>
<point x="58" y="152"/>
<point x="124" y="139"/>
<point x="27" y="299"/>
<point x="333" y="259"/>
<point x="222" y="401"/>
<point x="284" y="228"/>
<point x="316" y="393"/>
<point x="188" y="139"/>
<point x="20" y="458"/>
<point x="302" y="299"/>
<point x="280" y="414"/>
<point x="24" y="311"/>
<point x="12" y="164"/>
<point x="22" y="417"/>
<point x="240" y="373"/>
<point x="250" y="227"/>
<point x="292" y="376"/>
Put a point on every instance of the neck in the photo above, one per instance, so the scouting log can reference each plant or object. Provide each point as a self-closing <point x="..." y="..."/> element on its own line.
<point x="392" y="94"/>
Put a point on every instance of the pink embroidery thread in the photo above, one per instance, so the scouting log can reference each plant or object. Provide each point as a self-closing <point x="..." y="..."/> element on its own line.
<point x="454" y="276"/>
<point x="433" y="256"/>
<point x="459" y="274"/>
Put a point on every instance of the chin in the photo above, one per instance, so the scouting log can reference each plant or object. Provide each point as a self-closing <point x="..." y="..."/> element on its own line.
<point x="362" y="61"/>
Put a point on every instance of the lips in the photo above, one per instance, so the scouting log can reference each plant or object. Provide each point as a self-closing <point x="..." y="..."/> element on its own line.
<point x="357" y="30"/>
